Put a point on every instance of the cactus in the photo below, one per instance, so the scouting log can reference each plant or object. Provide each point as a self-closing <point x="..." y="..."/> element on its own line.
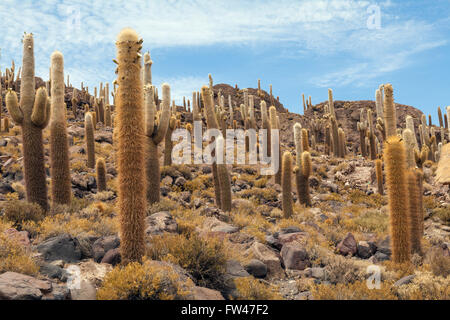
<point x="147" y="69"/>
<point x="155" y="134"/>
<point x="74" y="102"/>
<point x="441" y="121"/>
<point x="100" y="169"/>
<point x="331" y="103"/>
<point x="89" y="137"/>
<point x="212" y="123"/>
<point x="379" y="175"/>
<point x="59" y="148"/>
<point x="298" y="143"/>
<point x="335" y="136"/>
<point x="32" y="115"/>
<point x="371" y="133"/>
<point x="415" y="211"/>
<point x="305" y="140"/>
<point x="390" y="115"/>
<point x="409" y="145"/>
<point x="224" y="178"/>
<point x="341" y="138"/>
<point x="362" y="128"/>
<point x="131" y="147"/>
<point x="108" y="121"/>
<point x="168" y="144"/>
<point x="6" y="124"/>
<point x="379" y="103"/>
<point x="302" y="173"/>
<point x="286" y="185"/>
<point x="396" y="179"/>
<point x="101" y="111"/>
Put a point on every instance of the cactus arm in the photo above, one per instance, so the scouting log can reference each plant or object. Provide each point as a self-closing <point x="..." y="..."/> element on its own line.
<point x="39" y="114"/>
<point x="165" y="115"/>
<point x="12" y="104"/>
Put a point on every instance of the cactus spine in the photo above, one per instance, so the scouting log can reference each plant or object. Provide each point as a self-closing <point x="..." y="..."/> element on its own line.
<point x="390" y="115"/>
<point x="59" y="147"/>
<point x="131" y="146"/>
<point x="286" y="185"/>
<point x="396" y="178"/>
<point x="101" y="174"/>
<point x="32" y="115"/>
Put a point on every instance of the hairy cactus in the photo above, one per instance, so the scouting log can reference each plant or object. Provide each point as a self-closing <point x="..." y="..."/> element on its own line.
<point x="168" y="144"/>
<point x="341" y="139"/>
<point x="409" y="146"/>
<point x="396" y="179"/>
<point x="32" y="114"/>
<point x="302" y="173"/>
<point x="108" y="120"/>
<point x="390" y="115"/>
<point x="415" y="211"/>
<point x="212" y="123"/>
<point x="74" y="102"/>
<point x="131" y="147"/>
<point x="331" y="103"/>
<point x="100" y="169"/>
<point x="379" y="175"/>
<point x="298" y="143"/>
<point x="224" y="177"/>
<point x="379" y="103"/>
<point x="147" y="69"/>
<point x="286" y="185"/>
<point x="335" y="136"/>
<point x="101" y="111"/>
<point x="362" y="128"/>
<point x="59" y="147"/>
<point x="89" y="137"/>
<point x="305" y="140"/>
<point x="155" y="134"/>
<point x="6" y="124"/>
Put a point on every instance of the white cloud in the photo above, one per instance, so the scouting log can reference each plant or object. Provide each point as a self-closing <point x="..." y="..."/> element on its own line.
<point x="85" y="32"/>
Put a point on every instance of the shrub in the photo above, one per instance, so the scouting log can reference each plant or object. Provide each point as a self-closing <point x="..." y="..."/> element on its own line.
<point x="204" y="259"/>
<point x="353" y="291"/>
<point x="147" y="281"/>
<point x="439" y="263"/>
<point x="15" y="258"/>
<point x="20" y="211"/>
<point x="249" y="288"/>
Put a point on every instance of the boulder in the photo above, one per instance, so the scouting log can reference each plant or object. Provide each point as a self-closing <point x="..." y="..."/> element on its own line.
<point x="21" y="237"/>
<point x="103" y="245"/>
<point x="112" y="257"/>
<point x="212" y="224"/>
<point x="201" y="293"/>
<point x="365" y="249"/>
<point x="256" y="268"/>
<point x="16" y="286"/>
<point x="294" y="256"/>
<point x="266" y="255"/>
<point x="160" y="222"/>
<point x="347" y="246"/>
<point x="63" y="247"/>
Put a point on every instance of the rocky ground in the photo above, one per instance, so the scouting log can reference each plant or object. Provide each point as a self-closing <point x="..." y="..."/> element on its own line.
<point x="322" y="252"/>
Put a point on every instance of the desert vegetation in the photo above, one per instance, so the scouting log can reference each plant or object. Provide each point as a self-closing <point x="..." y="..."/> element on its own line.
<point x="361" y="193"/>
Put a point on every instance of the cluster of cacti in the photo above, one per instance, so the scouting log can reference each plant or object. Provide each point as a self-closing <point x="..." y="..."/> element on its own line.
<point x="33" y="115"/>
<point x="59" y="148"/>
<point x="131" y="146"/>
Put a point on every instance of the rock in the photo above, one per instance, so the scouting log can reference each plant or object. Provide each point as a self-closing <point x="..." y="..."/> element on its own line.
<point x="380" y="256"/>
<point x="294" y="256"/>
<point x="103" y="245"/>
<point x="16" y="286"/>
<point x="167" y="181"/>
<point x="215" y="225"/>
<point x="256" y="268"/>
<point x="299" y="237"/>
<point x="180" y="181"/>
<point x="6" y="188"/>
<point x="21" y="237"/>
<point x="366" y="249"/>
<point x="384" y="246"/>
<point x="404" y="280"/>
<point x="347" y="246"/>
<point x="201" y="293"/>
<point x="443" y="168"/>
<point x="235" y="269"/>
<point x="59" y="292"/>
<point x="330" y="186"/>
<point x="268" y="257"/>
<point x="112" y="257"/>
<point x="62" y="247"/>
<point x="52" y="271"/>
<point x="85" y="291"/>
<point x="103" y="136"/>
<point x="160" y="222"/>
<point x="316" y="273"/>
<point x="289" y="230"/>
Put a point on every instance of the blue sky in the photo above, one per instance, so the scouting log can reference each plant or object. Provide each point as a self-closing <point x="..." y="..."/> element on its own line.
<point x="297" y="46"/>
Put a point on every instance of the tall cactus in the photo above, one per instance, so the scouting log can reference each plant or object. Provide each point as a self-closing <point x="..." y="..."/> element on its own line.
<point x="379" y="103"/>
<point x="409" y="146"/>
<point x="331" y="103"/>
<point x="212" y="123"/>
<point x="390" y="114"/>
<point x="155" y="134"/>
<point x="32" y="115"/>
<point x="302" y="173"/>
<point x="286" y="185"/>
<point x="131" y="146"/>
<point x="415" y="211"/>
<point x="305" y="140"/>
<point x="59" y="147"/>
<point x="379" y="175"/>
<point x="168" y="144"/>
<point x="334" y="135"/>
<point x="100" y="169"/>
<point x="341" y="143"/>
<point x="396" y="178"/>
<point x="274" y="124"/>
<point x="89" y="138"/>
<point x="224" y="177"/>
